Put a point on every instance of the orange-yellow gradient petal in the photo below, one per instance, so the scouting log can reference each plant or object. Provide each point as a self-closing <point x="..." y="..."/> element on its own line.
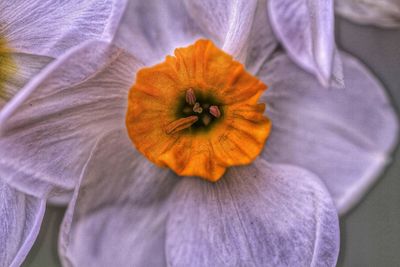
<point x="226" y="126"/>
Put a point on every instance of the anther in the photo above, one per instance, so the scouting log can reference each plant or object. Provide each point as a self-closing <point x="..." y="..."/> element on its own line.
<point x="190" y="97"/>
<point x="197" y="108"/>
<point x="214" y="110"/>
<point x="180" y="124"/>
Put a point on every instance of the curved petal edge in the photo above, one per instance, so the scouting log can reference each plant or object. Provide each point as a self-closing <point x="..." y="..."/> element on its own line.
<point x="257" y="215"/>
<point x="306" y="30"/>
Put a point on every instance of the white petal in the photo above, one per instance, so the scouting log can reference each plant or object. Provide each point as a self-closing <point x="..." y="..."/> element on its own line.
<point x="344" y="136"/>
<point x="258" y="215"/>
<point x="227" y="22"/>
<point x="50" y="27"/>
<point x="24" y="67"/>
<point x="20" y="219"/>
<point x="306" y="30"/>
<point x="384" y="13"/>
<point x="261" y="42"/>
<point x="118" y="214"/>
<point x="62" y="199"/>
<point x="50" y="127"/>
<point x="152" y="29"/>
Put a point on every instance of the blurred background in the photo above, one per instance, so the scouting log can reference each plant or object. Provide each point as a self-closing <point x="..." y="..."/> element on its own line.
<point x="370" y="233"/>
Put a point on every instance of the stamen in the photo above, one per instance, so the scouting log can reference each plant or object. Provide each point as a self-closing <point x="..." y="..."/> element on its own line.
<point x="180" y="124"/>
<point x="197" y="108"/>
<point x="214" y="110"/>
<point x="206" y="119"/>
<point x="190" y="97"/>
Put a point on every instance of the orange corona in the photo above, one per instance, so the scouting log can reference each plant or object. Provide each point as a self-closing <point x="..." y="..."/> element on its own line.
<point x="197" y="112"/>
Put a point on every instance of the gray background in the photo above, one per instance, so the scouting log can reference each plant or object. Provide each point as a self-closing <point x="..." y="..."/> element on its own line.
<point x="370" y="233"/>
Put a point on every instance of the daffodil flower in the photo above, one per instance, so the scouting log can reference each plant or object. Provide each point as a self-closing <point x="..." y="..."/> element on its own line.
<point x="32" y="34"/>
<point x="189" y="96"/>
<point x="383" y="13"/>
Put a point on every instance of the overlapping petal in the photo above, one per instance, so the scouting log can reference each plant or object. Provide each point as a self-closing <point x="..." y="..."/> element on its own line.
<point x="20" y="71"/>
<point x="153" y="29"/>
<point x="258" y="215"/>
<point x="50" y="27"/>
<point x="262" y="215"/>
<point x="32" y="33"/>
<point x="50" y="127"/>
<point x="20" y="219"/>
<point x="344" y="136"/>
<point x="306" y="30"/>
<point x="227" y="22"/>
<point x="262" y="41"/>
<point x="384" y="13"/>
<point x="118" y="214"/>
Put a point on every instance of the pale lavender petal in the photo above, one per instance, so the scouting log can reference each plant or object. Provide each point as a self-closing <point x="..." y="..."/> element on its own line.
<point x="50" y="27"/>
<point x="20" y="219"/>
<point x="32" y="33"/>
<point x="61" y="199"/>
<point x="306" y="30"/>
<point x="227" y="22"/>
<point x="118" y="213"/>
<point x="49" y="128"/>
<point x="262" y="41"/>
<point x="23" y="68"/>
<point x="257" y="215"/>
<point x="344" y="136"/>
<point x="384" y="13"/>
<point x="152" y="29"/>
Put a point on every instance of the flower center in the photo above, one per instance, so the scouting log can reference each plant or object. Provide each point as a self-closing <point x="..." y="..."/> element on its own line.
<point x="197" y="112"/>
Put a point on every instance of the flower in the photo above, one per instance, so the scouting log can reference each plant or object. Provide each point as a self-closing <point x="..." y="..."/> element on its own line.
<point x="70" y="128"/>
<point x="384" y="13"/>
<point x="32" y="34"/>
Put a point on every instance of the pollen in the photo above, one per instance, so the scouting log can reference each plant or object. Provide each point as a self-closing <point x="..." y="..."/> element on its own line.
<point x="197" y="112"/>
<point x="8" y="68"/>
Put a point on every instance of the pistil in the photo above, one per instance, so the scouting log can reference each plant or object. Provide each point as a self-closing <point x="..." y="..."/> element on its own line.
<point x="206" y="119"/>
